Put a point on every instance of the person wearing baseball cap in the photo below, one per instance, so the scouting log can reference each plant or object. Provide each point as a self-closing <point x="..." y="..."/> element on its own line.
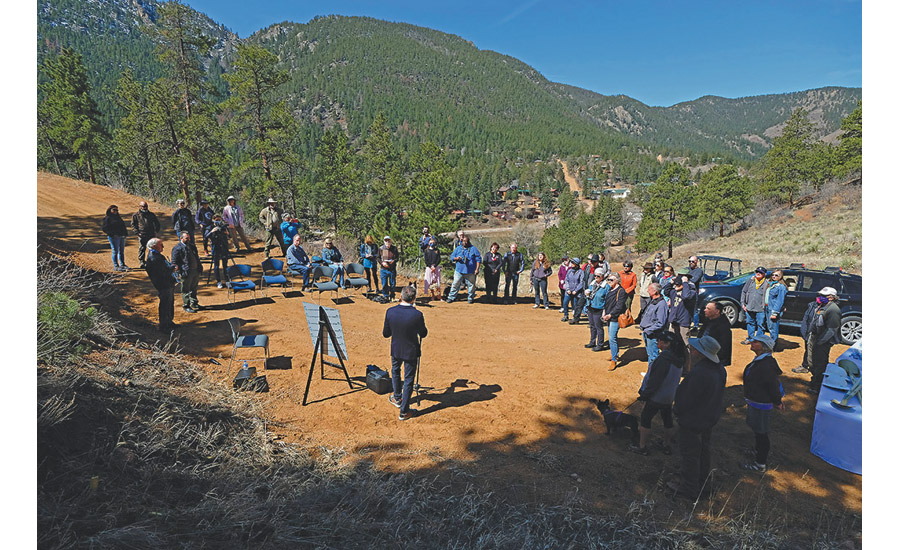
<point x="753" y="302"/>
<point x="698" y="406"/>
<point x="824" y="332"/>
<point x="387" y="260"/>
<point x="644" y="280"/>
<point x="762" y="392"/>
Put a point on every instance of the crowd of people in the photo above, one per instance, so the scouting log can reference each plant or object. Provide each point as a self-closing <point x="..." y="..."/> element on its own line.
<point x="685" y="376"/>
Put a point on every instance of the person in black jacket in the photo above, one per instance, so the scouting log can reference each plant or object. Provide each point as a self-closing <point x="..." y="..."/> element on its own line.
<point x="658" y="391"/>
<point x="146" y="227"/>
<point x="615" y="306"/>
<point x="762" y="392"/>
<point x="160" y="272"/>
<point x="513" y="266"/>
<point x="698" y="406"/>
<point x="717" y="326"/>
<point x="114" y="227"/>
<point x="493" y="263"/>
<point x="183" y="219"/>
<point x="204" y="219"/>
<point x="217" y="234"/>
<point x="405" y="326"/>
<point x="186" y="262"/>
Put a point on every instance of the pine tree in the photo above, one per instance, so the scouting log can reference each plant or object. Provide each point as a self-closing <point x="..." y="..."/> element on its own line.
<point x="132" y="139"/>
<point x="68" y="115"/>
<point x="666" y="215"/>
<point x="849" y="152"/>
<point x="254" y="80"/>
<point x="723" y="196"/>
<point x="790" y="162"/>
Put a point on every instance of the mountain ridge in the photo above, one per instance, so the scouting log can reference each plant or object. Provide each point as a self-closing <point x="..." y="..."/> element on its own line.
<point x="435" y="85"/>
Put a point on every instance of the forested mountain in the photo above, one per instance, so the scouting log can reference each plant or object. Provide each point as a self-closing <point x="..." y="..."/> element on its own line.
<point x="433" y="85"/>
<point x="112" y="36"/>
<point x="744" y="126"/>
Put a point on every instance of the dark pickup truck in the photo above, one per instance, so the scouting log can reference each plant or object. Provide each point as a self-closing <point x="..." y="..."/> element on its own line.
<point x="803" y="286"/>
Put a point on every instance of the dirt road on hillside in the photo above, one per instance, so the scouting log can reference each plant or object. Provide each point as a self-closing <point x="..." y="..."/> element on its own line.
<point x="513" y="389"/>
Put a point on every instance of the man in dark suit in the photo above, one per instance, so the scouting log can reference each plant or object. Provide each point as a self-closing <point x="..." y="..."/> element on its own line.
<point x="404" y="325"/>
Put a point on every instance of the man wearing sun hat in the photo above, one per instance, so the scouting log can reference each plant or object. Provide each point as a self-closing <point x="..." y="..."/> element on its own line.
<point x="698" y="406"/>
<point x="233" y="215"/>
<point x="270" y="219"/>
<point x="825" y="332"/>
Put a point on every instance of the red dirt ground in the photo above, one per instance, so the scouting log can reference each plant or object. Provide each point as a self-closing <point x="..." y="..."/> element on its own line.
<point x="513" y="393"/>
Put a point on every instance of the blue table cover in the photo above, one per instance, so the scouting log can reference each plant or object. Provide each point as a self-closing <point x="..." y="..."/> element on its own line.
<point x="837" y="434"/>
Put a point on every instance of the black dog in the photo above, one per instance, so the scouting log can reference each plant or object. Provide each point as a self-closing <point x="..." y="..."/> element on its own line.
<point x="618" y="419"/>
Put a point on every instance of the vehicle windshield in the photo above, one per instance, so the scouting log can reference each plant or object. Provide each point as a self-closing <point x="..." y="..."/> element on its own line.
<point x="736" y="279"/>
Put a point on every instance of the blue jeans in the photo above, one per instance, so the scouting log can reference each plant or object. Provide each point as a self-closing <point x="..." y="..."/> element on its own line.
<point x="567" y="299"/>
<point x="409" y="378"/>
<point x="652" y="349"/>
<point x="540" y="286"/>
<point x="458" y="279"/>
<point x="756" y="323"/>
<point x="773" y="325"/>
<point x="117" y="244"/>
<point x="338" y="274"/>
<point x="297" y="269"/>
<point x="613" y="344"/>
<point x="388" y="280"/>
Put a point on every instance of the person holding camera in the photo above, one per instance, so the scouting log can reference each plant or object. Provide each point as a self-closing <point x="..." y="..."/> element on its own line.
<point x="423" y="240"/>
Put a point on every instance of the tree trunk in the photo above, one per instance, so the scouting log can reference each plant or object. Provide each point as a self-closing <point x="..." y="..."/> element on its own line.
<point x="149" y="173"/>
<point x="91" y="171"/>
<point x="721" y="228"/>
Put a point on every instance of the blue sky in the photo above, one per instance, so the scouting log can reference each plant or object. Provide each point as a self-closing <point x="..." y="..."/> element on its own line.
<point x="658" y="52"/>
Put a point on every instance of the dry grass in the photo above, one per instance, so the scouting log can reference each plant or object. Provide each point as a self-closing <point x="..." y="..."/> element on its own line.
<point x="827" y="232"/>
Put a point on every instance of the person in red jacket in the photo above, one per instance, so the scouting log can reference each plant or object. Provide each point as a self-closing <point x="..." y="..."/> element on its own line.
<point x="629" y="282"/>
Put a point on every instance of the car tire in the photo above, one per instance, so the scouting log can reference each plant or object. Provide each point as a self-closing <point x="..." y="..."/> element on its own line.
<point x="851" y="329"/>
<point x="731" y="312"/>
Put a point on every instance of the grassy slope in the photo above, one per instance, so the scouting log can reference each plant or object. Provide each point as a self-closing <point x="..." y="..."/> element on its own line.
<point x="827" y="232"/>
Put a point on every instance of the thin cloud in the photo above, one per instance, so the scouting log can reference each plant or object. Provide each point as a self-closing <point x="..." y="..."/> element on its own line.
<point x="518" y="11"/>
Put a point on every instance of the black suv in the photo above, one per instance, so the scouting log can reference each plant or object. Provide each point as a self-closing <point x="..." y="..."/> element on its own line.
<point x="803" y="286"/>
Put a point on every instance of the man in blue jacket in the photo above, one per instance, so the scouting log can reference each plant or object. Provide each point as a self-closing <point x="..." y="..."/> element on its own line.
<point x="467" y="259"/>
<point x="654" y="321"/>
<point x="160" y="272"/>
<point x="405" y="326"/>
<point x="298" y="262"/>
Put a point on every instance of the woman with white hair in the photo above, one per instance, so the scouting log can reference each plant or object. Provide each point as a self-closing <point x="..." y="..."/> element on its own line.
<point x="613" y="307"/>
<point x="762" y="392"/>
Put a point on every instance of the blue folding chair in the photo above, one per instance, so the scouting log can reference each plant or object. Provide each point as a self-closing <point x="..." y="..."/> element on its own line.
<point x="320" y="272"/>
<point x="271" y="280"/>
<point x="247" y="341"/>
<point x="239" y="280"/>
